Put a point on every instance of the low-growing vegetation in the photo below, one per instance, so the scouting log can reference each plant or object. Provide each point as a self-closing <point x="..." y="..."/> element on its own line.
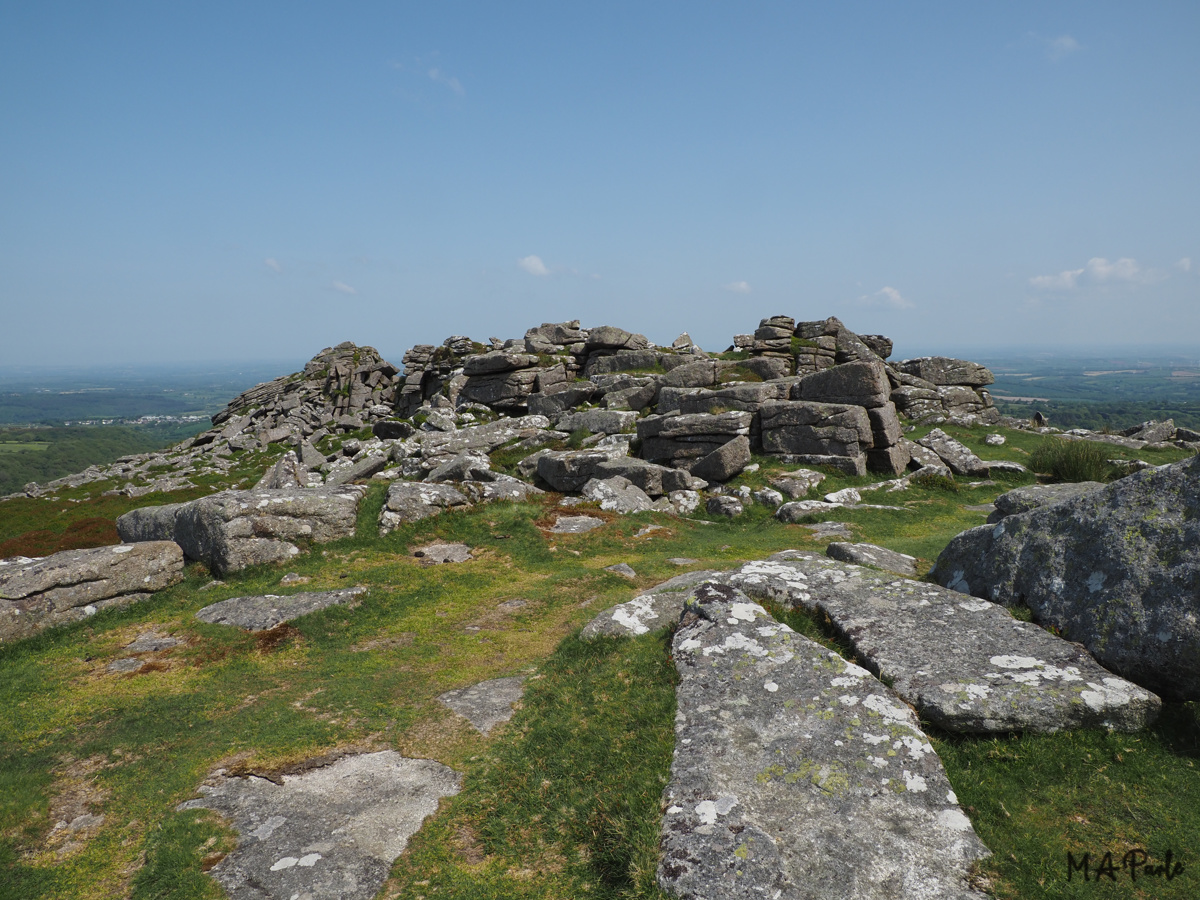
<point x="561" y="801"/>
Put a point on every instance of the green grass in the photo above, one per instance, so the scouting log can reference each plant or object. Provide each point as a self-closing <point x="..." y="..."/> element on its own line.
<point x="1063" y="460"/>
<point x="563" y="800"/>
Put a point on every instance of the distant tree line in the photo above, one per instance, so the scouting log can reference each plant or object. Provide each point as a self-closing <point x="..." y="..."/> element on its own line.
<point x="1113" y="416"/>
<point x="73" y="449"/>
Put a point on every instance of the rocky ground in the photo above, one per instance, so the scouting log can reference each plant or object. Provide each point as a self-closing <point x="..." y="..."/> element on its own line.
<point x="796" y="773"/>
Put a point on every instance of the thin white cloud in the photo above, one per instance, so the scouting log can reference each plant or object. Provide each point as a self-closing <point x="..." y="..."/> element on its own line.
<point x="737" y="287"/>
<point x="273" y="264"/>
<point x="441" y="77"/>
<point x="342" y="288"/>
<point x="533" y="265"/>
<point x="887" y="297"/>
<point x="1097" y="271"/>
<point x="1061" y="47"/>
<point x="1184" y="265"/>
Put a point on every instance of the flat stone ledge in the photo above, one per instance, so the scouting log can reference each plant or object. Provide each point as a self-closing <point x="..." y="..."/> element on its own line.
<point x="798" y="775"/>
<point x="964" y="663"/>
<point x="487" y="704"/>
<point x="657" y="608"/>
<point x="258" y="613"/>
<point x="329" y="834"/>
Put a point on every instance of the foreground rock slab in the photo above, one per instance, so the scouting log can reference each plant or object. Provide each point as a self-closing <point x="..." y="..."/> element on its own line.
<point x="1116" y="569"/>
<point x="659" y="607"/>
<point x="797" y="774"/>
<point x="328" y="834"/>
<point x="267" y="611"/>
<point x="965" y="664"/>
<point x="487" y="704"/>
<point x="235" y="529"/>
<point x="72" y="585"/>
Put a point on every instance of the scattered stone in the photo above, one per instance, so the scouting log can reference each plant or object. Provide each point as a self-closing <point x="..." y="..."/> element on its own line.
<point x="823" y="531"/>
<point x="1115" y="569"/>
<point x="258" y="613"/>
<point x="330" y="833"/>
<point x="617" y="495"/>
<point x="798" y="510"/>
<point x="152" y="642"/>
<point x="125" y="666"/>
<point x="953" y="453"/>
<point x="768" y="497"/>
<point x="648" y="529"/>
<point x="487" y="704"/>
<point x="780" y="779"/>
<point x="623" y="569"/>
<point x="36" y="594"/>
<point x="795" y="485"/>
<point x="293" y="578"/>
<point x="844" y="497"/>
<point x="995" y="440"/>
<point x="724" y="506"/>
<point x="997" y="675"/>
<point x="682" y="560"/>
<point x="684" y="502"/>
<point x="439" y="554"/>
<point x="409" y="502"/>
<point x="871" y="555"/>
<point x="575" y="524"/>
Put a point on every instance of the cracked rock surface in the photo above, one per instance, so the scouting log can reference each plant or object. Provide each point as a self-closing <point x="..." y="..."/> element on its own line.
<point x="797" y="774"/>
<point x="328" y="834"/>
<point x="266" y="611"/>
<point x="964" y="663"/>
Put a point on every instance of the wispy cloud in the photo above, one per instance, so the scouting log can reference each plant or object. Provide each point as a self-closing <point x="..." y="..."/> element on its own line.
<point x="436" y="74"/>
<point x="1097" y="271"/>
<point x="737" y="287"/>
<point x="887" y="297"/>
<point x="273" y="264"/>
<point x="1061" y="47"/>
<point x="1184" y="265"/>
<point x="342" y="288"/>
<point x="533" y="265"/>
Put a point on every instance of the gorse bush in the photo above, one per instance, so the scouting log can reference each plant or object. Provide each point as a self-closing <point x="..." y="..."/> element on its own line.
<point x="1072" y="461"/>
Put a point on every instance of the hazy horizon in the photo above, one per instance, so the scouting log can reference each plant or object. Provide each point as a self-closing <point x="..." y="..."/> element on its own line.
<point x="220" y="181"/>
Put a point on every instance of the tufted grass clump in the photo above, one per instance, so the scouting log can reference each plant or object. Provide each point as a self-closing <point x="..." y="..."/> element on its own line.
<point x="1069" y="461"/>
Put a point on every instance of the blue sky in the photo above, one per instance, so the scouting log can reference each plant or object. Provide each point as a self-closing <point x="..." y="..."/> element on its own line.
<point x="225" y="181"/>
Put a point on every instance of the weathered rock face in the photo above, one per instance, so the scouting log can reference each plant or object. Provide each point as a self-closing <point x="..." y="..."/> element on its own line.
<point x="684" y="440"/>
<point x="1034" y="496"/>
<point x="487" y="704"/>
<point x="38" y="593"/>
<point x="1115" y="569"/>
<point x="570" y="470"/>
<point x="996" y="674"/>
<point x="234" y="529"/>
<point x="331" y="833"/>
<point x="409" y="502"/>
<point x="863" y="383"/>
<point x="805" y="428"/>
<point x="942" y="370"/>
<point x="780" y="786"/>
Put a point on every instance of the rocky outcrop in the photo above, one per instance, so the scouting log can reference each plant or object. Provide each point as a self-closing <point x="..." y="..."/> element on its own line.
<point x="780" y="784"/>
<point x="38" y="593"/>
<point x="235" y="529"/>
<point x="1115" y="569"/>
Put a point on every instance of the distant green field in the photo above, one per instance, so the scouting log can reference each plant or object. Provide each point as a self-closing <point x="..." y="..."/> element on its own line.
<point x="23" y="446"/>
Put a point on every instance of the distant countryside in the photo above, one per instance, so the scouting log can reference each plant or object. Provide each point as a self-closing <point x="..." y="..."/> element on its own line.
<point x="56" y="424"/>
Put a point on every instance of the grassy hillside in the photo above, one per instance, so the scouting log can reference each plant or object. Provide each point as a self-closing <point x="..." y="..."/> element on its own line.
<point x="43" y="454"/>
<point x="563" y="801"/>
